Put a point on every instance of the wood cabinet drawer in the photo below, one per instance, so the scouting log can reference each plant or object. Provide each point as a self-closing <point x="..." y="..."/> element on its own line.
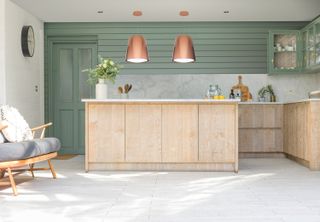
<point x="260" y="140"/>
<point x="260" y="116"/>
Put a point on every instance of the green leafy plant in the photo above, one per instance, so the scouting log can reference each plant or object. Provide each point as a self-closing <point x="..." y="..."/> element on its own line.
<point x="107" y="70"/>
<point x="270" y="90"/>
<point x="266" y="89"/>
<point x="262" y="92"/>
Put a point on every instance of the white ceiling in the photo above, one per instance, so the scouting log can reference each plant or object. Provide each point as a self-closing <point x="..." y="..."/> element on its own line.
<point x="168" y="10"/>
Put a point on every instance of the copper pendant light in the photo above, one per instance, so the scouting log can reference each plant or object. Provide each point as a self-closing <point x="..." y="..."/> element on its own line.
<point x="183" y="51"/>
<point x="137" y="51"/>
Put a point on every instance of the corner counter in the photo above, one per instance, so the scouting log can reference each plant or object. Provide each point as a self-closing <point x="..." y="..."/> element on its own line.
<point x="161" y="134"/>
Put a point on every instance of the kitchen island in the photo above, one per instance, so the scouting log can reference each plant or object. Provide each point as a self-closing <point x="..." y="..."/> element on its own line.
<point x="150" y="134"/>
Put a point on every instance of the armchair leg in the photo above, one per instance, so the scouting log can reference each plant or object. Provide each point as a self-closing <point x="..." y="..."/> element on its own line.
<point x="13" y="184"/>
<point x="31" y="169"/>
<point x="2" y="173"/>
<point x="52" y="170"/>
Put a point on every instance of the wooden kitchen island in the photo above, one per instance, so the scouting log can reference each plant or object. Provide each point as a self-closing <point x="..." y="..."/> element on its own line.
<point x="186" y="135"/>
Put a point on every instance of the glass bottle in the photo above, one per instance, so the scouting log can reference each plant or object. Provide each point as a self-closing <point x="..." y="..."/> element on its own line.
<point x="211" y="92"/>
<point x="232" y="96"/>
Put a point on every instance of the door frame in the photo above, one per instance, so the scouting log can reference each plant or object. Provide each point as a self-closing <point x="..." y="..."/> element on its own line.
<point x="48" y="67"/>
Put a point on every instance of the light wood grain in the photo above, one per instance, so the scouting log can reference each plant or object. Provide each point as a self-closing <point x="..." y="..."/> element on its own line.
<point x="302" y="133"/>
<point x="314" y="154"/>
<point x="217" y="134"/>
<point x="260" y="140"/>
<point x="164" y="166"/>
<point x="106" y="136"/>
<point x="180" y="133"/>
<point x="261" y="128"/>
<point x="296" y="130"/>
<point x="260" y="116"/>
<point x="143" y="133"/>
<point x="142" y="136"/>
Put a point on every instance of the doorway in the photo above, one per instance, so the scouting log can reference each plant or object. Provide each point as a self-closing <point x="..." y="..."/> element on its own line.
<point x="68" y="86"/>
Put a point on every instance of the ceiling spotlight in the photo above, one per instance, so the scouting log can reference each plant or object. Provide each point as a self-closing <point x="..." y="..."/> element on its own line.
<point x="137" y="13"/>
<point x="226" y="11"/>
<point x="184" y="13"/>
<point x="100" y="12"/>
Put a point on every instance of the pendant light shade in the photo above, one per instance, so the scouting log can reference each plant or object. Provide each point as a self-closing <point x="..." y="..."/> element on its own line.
<point x="183" y="51"/>
<point x="137" y="51"/>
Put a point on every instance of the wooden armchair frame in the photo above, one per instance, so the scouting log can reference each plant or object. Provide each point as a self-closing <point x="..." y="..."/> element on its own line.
<point x="8" y="166"/>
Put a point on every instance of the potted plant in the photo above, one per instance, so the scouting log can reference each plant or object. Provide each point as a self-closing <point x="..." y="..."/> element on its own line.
<point x="266" y="91"/>
<point x="106" y="71"/>
<point x="271" y="92"/>
<point x="262" y="94"/>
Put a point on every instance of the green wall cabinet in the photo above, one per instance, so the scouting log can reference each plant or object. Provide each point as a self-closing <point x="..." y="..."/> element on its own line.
<point x="295" y="51"/>
<point x="284" y="51"/>
<point x="311" y="46"/>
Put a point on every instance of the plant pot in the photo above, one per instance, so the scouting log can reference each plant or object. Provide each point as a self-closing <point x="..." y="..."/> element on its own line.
<point x="261" y="99"/>
<point x="101" y="89"/>
<point x="124" y="96"/>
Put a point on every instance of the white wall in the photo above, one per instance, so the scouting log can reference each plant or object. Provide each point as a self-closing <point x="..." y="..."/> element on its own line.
<point x="24" y="74"/>
<point x="2" y="53"/>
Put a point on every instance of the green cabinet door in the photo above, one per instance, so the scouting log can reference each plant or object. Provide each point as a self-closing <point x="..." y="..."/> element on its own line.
<point x="284" y="51"/>
<point x="311" y="46"/>
<point x="69" y="87"/>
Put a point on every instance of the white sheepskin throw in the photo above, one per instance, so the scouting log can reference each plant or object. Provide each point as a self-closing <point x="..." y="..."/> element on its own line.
<point x="1" y="138"/>
<point x="18" y="129"/>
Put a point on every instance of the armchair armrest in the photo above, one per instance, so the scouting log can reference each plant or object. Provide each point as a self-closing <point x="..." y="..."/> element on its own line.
<point x="3" y="127"/>
<point x="42" y="127"/>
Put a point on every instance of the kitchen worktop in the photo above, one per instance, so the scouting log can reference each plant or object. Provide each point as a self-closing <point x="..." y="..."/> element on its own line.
<point x="278" y="103"/>
<point x="192" y="101"/>
<point x="161" y="100"/>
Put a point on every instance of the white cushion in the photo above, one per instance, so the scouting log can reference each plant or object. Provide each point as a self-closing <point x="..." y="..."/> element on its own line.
<point x="18" y="129"/>
<point x="1" y="138"/>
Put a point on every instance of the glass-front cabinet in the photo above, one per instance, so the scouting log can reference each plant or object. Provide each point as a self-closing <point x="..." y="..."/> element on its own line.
<point x="311" y="46"/>
<point x="284" y="51"/>
<point x="317" y="43"/>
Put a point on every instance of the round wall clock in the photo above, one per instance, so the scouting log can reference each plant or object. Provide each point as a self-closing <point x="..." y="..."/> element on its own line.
<point x="27" y="41"/>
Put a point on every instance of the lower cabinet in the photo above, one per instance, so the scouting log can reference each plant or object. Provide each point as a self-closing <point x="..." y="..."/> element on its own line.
<point x="301" y="133"/>
<point x="217" y="133"/>
<point x="296" y="130"/>
<point x="105" y="133"/>
<point x="180" y="133"/>
<point x="260" y="128"/>
<point x="143" y="133"/>
<point x="156" y="136"/>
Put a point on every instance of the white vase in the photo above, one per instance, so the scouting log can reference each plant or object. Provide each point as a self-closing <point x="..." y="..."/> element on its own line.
<point x="101" y="89"/>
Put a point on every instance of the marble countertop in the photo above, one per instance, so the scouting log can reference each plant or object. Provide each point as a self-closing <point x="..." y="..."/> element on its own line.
<point x="278" y="103"/>
<point x="192" y="101"/>
<point x="161" y="100"/>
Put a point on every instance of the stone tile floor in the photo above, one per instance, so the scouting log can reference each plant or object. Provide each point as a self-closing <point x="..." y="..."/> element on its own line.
<point x="263" y="190"/>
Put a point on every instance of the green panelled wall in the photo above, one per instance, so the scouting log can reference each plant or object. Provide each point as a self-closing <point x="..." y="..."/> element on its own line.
<point x="221" y="47"/>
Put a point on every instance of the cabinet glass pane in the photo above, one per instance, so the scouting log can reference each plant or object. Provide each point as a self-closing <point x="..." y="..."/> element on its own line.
<point x="305" y="49"/>
<point x="317" y="44"/>
<point x="285" y="54"/>
<point x="311" y="47"/>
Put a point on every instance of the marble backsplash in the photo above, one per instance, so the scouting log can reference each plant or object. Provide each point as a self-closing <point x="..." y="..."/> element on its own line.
<point x="289" y="87"/>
